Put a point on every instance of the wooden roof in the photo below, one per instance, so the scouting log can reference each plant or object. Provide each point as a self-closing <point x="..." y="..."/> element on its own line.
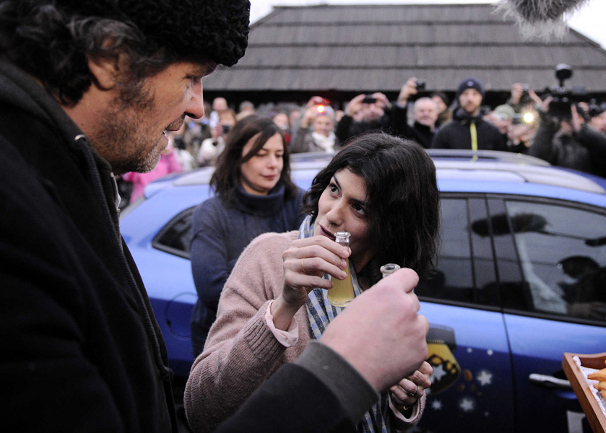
<point x="366" y="48"/>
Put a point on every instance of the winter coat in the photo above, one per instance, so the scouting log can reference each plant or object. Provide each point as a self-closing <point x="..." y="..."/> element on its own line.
<point x="81" y="349"/>
<point x="456" y="134"/>
<point x="220" y="233"/>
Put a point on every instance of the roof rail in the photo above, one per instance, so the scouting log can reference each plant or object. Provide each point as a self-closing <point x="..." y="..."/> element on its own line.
<point x="537" y="174"/>
<point x="525" y="168"/>
<point x="486" y="155"/>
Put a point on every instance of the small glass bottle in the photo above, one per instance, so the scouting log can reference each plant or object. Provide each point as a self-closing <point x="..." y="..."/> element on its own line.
<point x="342" y="292"/>
<point x="389" y="269"/>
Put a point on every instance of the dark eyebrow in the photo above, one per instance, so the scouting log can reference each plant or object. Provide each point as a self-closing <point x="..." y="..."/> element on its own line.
<point x="360" y="202"/>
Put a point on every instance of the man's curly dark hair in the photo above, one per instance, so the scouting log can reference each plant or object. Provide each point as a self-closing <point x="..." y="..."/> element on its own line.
<point x="52" y="39"/>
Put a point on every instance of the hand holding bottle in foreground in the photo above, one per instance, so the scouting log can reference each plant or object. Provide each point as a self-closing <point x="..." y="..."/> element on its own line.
<point x="381" y="333"/>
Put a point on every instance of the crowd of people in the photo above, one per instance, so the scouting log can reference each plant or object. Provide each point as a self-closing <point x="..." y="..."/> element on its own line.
<point x="96" y="91"/>
<point x="573" y="136"/>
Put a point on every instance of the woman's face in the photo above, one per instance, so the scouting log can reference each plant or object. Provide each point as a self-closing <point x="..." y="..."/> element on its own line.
<point x="262" y="172"/>
<point x="343" y="207"/>
<point x="323" y="125"/>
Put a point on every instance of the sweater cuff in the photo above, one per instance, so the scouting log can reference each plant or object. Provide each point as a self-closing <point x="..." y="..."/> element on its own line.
<point x="414" y="415"/>
<point x="352" y="390"/>
<point x="286" y="338"/>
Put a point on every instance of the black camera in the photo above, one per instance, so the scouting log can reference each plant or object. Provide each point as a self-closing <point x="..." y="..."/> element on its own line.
<point x="563" y="98"/>
<point x="369" y="100"/>
<point x="420" y="84"/>
<point x="595" y="109"/>
<point x="226" y="128"/>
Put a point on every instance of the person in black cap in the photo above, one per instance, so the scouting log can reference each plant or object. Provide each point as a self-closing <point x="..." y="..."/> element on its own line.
<point x="88" y="89"/>
<point x="467" y="129"/>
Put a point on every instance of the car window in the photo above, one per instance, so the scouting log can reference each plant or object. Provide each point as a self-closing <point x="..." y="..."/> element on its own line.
<point x="562" y="254"/>
<point x="465" y="269"/>
<point x="174" y="238"/>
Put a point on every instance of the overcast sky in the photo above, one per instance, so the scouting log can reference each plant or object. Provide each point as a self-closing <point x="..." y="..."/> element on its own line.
<point x="589" y="20"/>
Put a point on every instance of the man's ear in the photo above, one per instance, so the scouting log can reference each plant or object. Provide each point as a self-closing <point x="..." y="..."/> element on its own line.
<point x="104" y="71"/>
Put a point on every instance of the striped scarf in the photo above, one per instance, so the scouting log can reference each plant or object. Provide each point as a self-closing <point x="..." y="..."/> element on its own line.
<point x="320" y="312"/>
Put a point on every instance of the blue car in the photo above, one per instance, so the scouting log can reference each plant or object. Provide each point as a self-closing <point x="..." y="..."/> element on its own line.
<point x="521" y="279"/>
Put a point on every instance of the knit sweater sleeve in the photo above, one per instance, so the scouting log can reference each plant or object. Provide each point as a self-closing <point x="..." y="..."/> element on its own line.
<point x="241" y="351"/>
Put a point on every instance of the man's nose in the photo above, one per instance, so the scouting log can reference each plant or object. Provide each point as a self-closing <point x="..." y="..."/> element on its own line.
<point x="195" y="108"/>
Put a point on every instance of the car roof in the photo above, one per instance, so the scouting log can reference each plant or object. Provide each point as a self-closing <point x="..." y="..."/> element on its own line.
<point x="451" y="165"/>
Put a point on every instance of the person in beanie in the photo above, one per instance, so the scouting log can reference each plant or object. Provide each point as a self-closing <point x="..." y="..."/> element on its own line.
<point x="467" y="129"/>
<point x="88" y="91"/>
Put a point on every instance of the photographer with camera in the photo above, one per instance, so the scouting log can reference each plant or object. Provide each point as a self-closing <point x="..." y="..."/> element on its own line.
<point x="316" y="131"/>
<point x="374" y="113"/>
<point x="467" y="129"/>
<point x="425" y="114"/>
<point x="566" y="140"/>
<point x="521" y="97"/>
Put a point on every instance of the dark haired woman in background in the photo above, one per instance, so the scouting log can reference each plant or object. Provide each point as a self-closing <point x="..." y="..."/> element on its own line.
<point x="383" y="191"/>
<point x="254" y="195"/>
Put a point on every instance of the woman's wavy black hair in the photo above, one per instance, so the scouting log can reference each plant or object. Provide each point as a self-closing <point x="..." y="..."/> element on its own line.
<point x="402" y="196"/>
<point x="52" y="39"/>
<point x="227" y="173"/>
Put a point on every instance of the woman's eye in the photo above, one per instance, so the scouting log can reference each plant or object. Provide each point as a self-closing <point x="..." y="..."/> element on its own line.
<point x="333" y="188"/>
<point x="359" y="209"/>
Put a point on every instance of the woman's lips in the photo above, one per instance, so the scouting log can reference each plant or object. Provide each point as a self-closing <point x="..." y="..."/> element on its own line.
<point x="326" y="233"/>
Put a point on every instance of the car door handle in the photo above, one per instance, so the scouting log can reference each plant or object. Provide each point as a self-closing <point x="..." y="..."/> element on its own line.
<point x="549" y="381"/>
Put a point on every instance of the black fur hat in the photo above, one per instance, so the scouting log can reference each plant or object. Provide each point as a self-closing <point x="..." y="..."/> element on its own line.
<point x="214" y="30"/>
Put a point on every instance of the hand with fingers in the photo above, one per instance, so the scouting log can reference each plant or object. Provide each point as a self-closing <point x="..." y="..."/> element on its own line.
<point x="409" y="390"/>
<point x="381" y="333"/>
<point x="354" y="105"/>
<point x="382" y="100"/>
<point x="304" y="263"/>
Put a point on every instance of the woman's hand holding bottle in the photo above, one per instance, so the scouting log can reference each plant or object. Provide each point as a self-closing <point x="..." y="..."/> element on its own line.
<point x="305" y="262"/>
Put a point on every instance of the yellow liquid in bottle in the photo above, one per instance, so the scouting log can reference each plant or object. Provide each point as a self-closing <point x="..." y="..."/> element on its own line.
<point x="342" y="293"/>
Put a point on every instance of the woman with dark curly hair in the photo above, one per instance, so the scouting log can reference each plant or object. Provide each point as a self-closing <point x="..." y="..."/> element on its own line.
<point x="254" y="195"/>
<point x="383" y="191"/>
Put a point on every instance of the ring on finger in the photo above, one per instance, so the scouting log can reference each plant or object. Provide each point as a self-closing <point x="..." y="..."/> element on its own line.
<point x="414" y="394"/>
<point x="303" y="267"/>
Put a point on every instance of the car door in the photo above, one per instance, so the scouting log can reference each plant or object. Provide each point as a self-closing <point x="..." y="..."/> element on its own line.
<point x="472" y="385"/>
<point x="556" y="280"/>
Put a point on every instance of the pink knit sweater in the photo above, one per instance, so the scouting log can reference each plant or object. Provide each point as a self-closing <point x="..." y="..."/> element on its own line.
<point x="241" y="352"/>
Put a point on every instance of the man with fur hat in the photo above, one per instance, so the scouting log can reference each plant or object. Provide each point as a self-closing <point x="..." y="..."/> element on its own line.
<point x="88" y="89"/>
<point x="467" y="129"/>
